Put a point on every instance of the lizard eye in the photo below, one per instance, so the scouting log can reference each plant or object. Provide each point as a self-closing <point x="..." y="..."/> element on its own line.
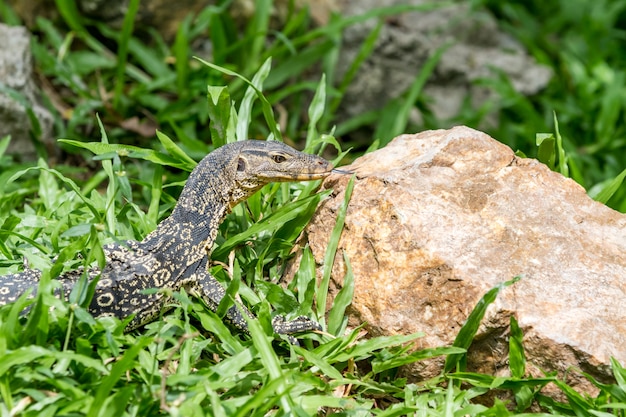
<point x="241" y="164"/>
<point x="278" y="158"/>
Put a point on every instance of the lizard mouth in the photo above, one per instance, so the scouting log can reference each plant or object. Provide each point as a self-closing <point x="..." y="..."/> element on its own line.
<point x="309" y="176"/>
<point x="300" y="176"/>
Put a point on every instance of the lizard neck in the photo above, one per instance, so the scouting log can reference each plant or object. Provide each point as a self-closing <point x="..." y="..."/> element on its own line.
<point x="188" y="234"/>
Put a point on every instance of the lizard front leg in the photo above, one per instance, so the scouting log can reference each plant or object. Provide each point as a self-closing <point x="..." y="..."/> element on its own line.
<point x="212" y="292"/>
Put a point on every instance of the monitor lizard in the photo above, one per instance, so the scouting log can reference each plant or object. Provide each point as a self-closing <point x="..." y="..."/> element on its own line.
<point x="176" y="254"/>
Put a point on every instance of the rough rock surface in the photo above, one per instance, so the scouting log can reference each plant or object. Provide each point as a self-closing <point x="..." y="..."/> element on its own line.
<point x="16" y="74"/>
<point x="438" y="218"/>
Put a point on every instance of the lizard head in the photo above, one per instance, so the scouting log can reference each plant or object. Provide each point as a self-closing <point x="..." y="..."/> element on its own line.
<point x="235" y="171"/>
<point x="261" y="162"/>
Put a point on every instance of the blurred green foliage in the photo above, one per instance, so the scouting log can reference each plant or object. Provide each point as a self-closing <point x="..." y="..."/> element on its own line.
<point x="584" y="43"/>
<point x="137" y="82"/>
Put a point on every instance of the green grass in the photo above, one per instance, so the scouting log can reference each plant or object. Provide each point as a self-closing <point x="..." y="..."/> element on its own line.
<point x="61" y="361"/>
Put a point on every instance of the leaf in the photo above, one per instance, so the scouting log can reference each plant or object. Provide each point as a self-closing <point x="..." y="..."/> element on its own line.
<point x="245" y="108"/>
<point x="316" y="111"/>
<point x="131" y="10"/>
<point x="219" y="114"/>
<point x="546" y="150"/>
<point x="579" y="404"/>
<point x="469" y="329"/>
<point x="319" y="361"/>
<point x="231" y="291"/>
<point x="34" y="353"/>
<point x="619" y="373"/>
<point x="156" y="190"/>
<point x="303" y="282"/>
<point x="211" y="322"/>
<point x="266" y="107"/>
<point x="337" y="320"/>
<point x="4" y="144"/>
<point x="48" y="188"/>
<point x="268" y="224"/>
<point x="256" y="29"/>
<point x="68" y="182"/>
<point x="517" y="358"/>
<point x="492" y="382"/>
<point x="111" y="193"/>
<point x="86" y="62"/>
<point x="181" y="53"/>
<point x="71" y="15"/>
<point x="562" y="161"/>
<point x="364" y="348"/>
<point x="117" y="371"/>
<point x="174" y="150"/>
<point x="419" y="355"/>
<point x="331" y="250"/>
<point x="100" y="148"/>
<point x="604" y="191"/>
<point x="271" y="364"/>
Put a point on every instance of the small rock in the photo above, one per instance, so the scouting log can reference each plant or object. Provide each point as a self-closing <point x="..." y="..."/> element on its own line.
<point x="476" y="49"/>
<point x="437" y="219"/>
<point x="16" y="74"/>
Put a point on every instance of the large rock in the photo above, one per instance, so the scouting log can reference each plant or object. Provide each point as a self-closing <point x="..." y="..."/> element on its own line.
<point x="438" y="218"/>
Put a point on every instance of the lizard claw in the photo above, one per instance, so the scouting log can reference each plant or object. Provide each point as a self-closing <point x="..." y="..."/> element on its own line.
<point x="297" y="325"/>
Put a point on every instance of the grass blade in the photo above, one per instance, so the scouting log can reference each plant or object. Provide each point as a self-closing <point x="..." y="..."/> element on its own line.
<point x="316" y="111"/>
<point x="619" y="372"/>
<point x="517" y="358"/>
<point x="253" y="91"/>
<point x="331" y="250"/>
<point x="4" y="144"/>
<point x="124" y="364"/>
<point x="379" y="366"/>
<point x="605" y="190"/>
<point x="337" y="320"/>
<point x="219" y="114"/>
<point x="364" y="348"/>
<point x="271" y="362"/>
<point x="107" y="150"/>
<point x="181" y="53"/>
<point x="365" y="51"/>
<point x="269" y="224"/>
<point x="174" y="150"/>
<point x="562" y="161"/>
<point x="266" y="107"/>
<point x="122" y="51"/>
<point x="399" y="118"/>
<point x="257" y="31"/>
<point x="469" y="329"/>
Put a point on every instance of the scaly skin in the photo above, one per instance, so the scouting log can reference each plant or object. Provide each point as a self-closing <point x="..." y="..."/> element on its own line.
<point x="175" y="255"/>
